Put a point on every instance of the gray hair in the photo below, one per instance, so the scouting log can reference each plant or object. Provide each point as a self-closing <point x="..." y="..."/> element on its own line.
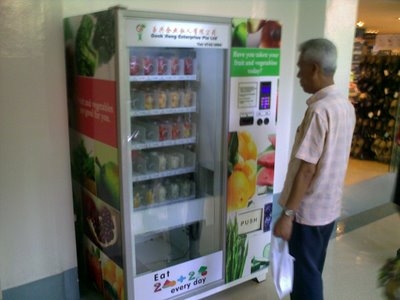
<point x="320" y="51"/>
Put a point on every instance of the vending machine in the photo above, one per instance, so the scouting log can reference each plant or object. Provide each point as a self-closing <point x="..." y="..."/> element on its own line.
<point x="172" y="134"/>
<point x="147" y="97"/>
<point x="254" y="71"/>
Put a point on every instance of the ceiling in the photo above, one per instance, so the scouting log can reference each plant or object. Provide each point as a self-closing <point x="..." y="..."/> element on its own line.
<point x="380" y="15"/>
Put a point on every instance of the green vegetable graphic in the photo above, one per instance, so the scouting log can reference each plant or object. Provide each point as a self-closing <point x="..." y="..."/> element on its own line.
<point x="86" y="56"/>
<point x="103" y="37"/>
<point x="82" y="164"/>
<point x="236" y="252"/>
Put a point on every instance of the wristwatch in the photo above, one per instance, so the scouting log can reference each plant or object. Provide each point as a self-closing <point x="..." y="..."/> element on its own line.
<point x="289" y="212"/>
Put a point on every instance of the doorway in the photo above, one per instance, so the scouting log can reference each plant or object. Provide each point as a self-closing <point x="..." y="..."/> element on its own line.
<point x="376" y="118"/>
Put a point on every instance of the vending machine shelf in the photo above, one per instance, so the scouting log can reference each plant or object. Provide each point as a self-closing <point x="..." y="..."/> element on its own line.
<point x="155" y="175"/>
<point x="159" y="218"/>
<point x="166" y="202"/>
<point x="137" y="78"/>
<point x="158" y="144"/>
<point x="164" y="111"/>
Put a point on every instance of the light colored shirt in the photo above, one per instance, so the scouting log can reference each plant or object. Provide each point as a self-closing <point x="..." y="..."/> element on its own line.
<point x="324" y="139"/>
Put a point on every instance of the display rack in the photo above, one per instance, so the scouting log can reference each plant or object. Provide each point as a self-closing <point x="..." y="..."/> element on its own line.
<point x="376" y="107"/>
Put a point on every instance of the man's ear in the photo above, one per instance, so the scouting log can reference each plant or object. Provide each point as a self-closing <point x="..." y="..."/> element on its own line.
<point x="316" y="68"/>
<point x="317" y="71"/>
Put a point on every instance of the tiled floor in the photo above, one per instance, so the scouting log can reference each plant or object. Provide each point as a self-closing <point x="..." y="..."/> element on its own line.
<point x="367" y="234"/>
<point x="360" y="170"/>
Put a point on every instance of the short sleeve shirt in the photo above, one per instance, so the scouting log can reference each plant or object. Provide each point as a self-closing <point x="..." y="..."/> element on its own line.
<point x="324" y="139"/>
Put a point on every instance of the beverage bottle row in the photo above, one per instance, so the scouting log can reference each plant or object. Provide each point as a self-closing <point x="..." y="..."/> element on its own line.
<point x="162" y="129"/>
<point x="159" y="191"/>
<point x="148" y="99"/>
<point x="161" y="160"/>
<point x="160" y="65"/>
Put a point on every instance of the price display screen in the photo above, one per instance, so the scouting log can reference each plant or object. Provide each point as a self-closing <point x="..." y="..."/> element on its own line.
<point x="265" y="96"/>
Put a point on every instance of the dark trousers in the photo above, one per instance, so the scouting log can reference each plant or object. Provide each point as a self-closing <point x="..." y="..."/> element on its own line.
<point x="308" y="246"/>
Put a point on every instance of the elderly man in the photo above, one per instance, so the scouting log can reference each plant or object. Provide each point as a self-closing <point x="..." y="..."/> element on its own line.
<point x="312" y="193"/>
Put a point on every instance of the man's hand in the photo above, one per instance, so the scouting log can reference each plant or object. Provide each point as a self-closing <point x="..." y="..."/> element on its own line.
<point x="283" y="227"/>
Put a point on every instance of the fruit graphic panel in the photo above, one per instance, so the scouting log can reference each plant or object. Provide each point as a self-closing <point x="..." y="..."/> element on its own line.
<point x="107" y="174"/>
<point x="242" y="169"/>
<point x="255" y="33"/>
<point x="266" y="166"/>
<point x="113" y="279"/>
<point x="94" y="165"/>
<point x="103" y="273"/>
<point x="102" y="226"/>
<point x="254" y="72"/>
<point x="250" y="172"/>
<point x="93" y="265"/>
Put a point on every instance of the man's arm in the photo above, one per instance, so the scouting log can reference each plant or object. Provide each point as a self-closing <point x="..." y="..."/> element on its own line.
<point x="301" y="183"/>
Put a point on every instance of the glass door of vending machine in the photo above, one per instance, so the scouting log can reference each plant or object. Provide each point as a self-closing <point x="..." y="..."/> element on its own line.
<point x="173" y="121"/>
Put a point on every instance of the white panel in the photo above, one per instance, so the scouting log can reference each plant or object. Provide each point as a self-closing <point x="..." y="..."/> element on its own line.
<point x="173" y="215"/>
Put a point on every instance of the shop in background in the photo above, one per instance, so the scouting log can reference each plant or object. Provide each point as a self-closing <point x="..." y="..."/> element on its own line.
<point x="374" y="90"/>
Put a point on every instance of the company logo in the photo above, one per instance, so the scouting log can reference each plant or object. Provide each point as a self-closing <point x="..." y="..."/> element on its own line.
<point x="139" y="30"/>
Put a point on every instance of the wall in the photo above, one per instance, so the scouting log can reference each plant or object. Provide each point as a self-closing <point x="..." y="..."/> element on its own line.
<point x="333" y="19"/>
<point x="36" y="218"/>
<point x="339" y="27"/>
<point x="310" y="13"/>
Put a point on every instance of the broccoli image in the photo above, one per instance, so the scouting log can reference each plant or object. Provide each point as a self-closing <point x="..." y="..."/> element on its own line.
<point x="86" y="56"/>
<point x="104" y="37"/>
